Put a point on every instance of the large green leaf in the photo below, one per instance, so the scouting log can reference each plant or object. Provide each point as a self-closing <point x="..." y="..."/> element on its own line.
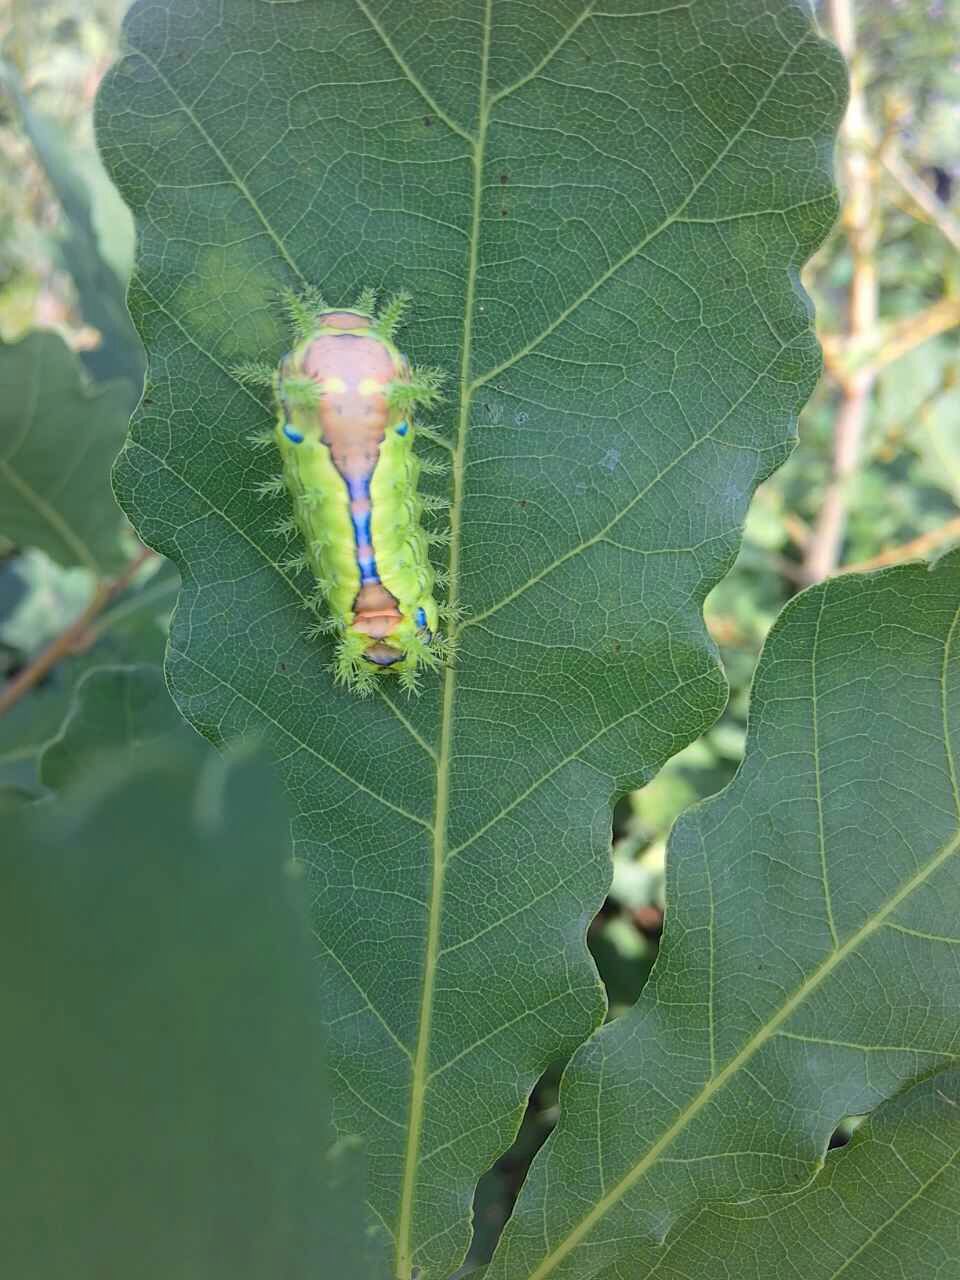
<point x="601" y="212"/>
<point x="884" y="1207"/>
<point x="58" y="438"/>
<point x="163" y="1110"/>
<point x="809" y="968"/>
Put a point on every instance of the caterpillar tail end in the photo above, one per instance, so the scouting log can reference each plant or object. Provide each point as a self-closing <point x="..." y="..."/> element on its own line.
<point x="361" y="661"/>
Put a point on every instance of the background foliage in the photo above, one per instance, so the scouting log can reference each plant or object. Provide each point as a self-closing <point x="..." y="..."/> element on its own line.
<point x="193" y="1136"/>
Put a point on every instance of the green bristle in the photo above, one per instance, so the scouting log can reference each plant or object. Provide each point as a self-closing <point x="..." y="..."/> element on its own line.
<point x="366" y="304"/>
<point x="301" y="393"/>
<point x="302" y="310"/>
<point x="254" y="373"/>
<point x="391" y="316"/>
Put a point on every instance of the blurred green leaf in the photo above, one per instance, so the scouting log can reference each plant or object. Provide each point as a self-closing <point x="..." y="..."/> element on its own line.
<point x="163" y="1109"/>
<point x="113" y="226"/>
<point x="58" y="438"/>
<point x="13" y="797"/>
<point x="809" y="966"/>
<point x="126" y="709"/>
<point x="884" y="1207"/>
<point x="133" y="629"/>
<point x="601" y="216"/>
<point x="624" y="959"/>
<point x="51" y="598"/>
<point x="13" y="590"/>
<point x="96" y="247"/>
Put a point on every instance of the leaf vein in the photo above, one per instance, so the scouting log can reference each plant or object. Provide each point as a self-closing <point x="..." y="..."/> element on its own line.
<point x="51" y="516"/>
<point x="650" y="237"/>
<point x="601" y="534"/>
<point x="414" y="80"/>
<point x="304" y="746"/>
<point x="235" y="177"/>
<point x="739" y="1062"/>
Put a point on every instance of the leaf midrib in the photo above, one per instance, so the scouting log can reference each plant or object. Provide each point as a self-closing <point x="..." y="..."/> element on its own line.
<point x="420" y="1075"/>
<point x="420" y="1078"/>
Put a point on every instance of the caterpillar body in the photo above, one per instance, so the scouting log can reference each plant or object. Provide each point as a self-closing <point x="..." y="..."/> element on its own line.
<point x="345" y="429"/>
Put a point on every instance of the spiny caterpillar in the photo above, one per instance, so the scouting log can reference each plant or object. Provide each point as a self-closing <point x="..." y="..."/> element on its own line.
<point x="345" y="399"/>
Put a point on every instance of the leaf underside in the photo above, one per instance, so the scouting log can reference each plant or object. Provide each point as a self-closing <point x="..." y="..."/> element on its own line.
<point x="810" y="966"/>
<point x="600" y="212"/>
<point x="886" y="1206"/>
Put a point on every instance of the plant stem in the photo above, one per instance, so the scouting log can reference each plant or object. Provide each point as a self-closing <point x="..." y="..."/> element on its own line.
<point x="858" y="167"/>
<point x="922" y="196"/>
<point x="939" y="317"/>
<point x="912" y="550"/>
<point x="75" y="637"/>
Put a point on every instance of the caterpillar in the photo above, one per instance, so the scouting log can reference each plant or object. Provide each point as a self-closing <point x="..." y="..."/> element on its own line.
<point x="345" y="398"/>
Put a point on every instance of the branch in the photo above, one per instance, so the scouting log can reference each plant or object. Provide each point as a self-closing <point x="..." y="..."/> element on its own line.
<point x="890" y="441"/>
<point x="75" y="638"/>
<point x="938" y="318"/>
<point x="922" y="196"/>
<point x="858" y="164"/>
<point x="797" y="530"/>
<point x="915" y="549"/>
<point x="844" y="356"/>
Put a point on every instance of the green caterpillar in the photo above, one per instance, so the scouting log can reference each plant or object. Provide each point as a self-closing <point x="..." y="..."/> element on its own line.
<point x="345" y="399"/>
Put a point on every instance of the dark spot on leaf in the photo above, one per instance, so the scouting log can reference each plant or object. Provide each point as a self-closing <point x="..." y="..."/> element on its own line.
<point x="504" y="179"/>
<point x="503" y="213"/>
<point x="283" y="666"/>
<point x="616" y="646"/>
<point x="839" y="1138"/>
<point x="522" y="503"/>
<point x="428" y="121"/>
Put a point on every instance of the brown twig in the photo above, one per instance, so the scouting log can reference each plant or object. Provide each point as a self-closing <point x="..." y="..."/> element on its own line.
<point x="939" y="317"/>
<point x="890" y="441"/>
<point x="858" y="163"/>
<point x="75" y="638"/>
<point x="792" y="570"/>
<point x="797" y="530"/>
<point x="915" y="549"/>
<point x="922" y="196"/>
<point x="844" y="356"/>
